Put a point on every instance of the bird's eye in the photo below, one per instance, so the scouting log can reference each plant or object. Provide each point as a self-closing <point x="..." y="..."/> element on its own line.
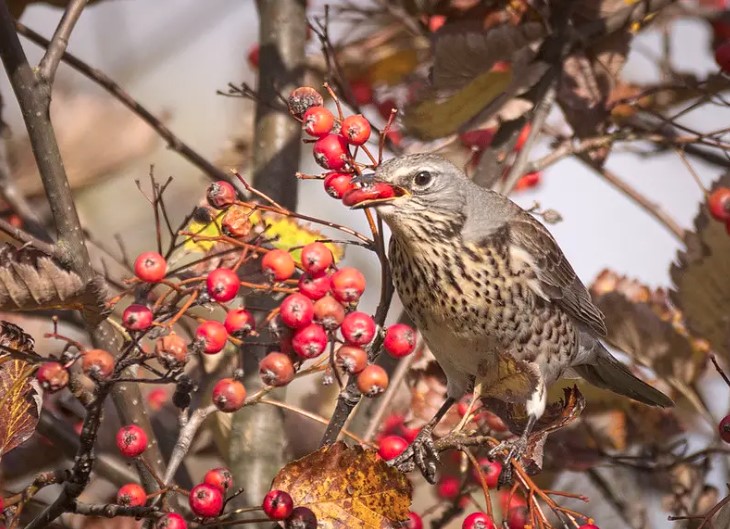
<point x="422" y="179"/>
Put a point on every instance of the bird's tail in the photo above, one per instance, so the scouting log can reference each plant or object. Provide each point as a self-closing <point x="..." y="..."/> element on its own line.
<point x="606" y="372"/>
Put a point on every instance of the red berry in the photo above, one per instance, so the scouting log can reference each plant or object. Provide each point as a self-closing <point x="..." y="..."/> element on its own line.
<point x="400" y="340"/>
<point x="372" y="381"/>
<point x="137" y="317"/>
<point x="414" y="521"/>
<point x="391" y="446"/>
<point x="318" y="121"/>
<point x="229" y="395"/>
<point x="157" y="398"/>
<point x="303" y="98"/>
<point x="362" y="91"/>
<point x="448" y="487"/>
<point x="276" y="369"/>
<point x="478" y="139"/>
<point x="52" y="376"/>
<point x="722" y="56"/>
<point x="296" y="311"/>
<point x="278" y="505"/>
<point x="529" y="180"/>
<point x="435" y="22"/>
<point x="316" y="258"/>
<point x="360" y="194"/>
<point x="309" y="341"/>
<point x="221" y="194"/>
<point x="719" y="204"/>
<point x="222" y="284"/>
<point x="490" y="470"/>
<point x="724" y="429"/>
<point x="517" y="517"/>
<point x="507" y="500"/>
<point x="131" y="440"/>
<point x="278" y="265"/>
<point x="329" y="312"/>
<point x="331" y="152"/>
<point x="348" y="284"/>
<point x="338" y="184"/>
<point x="522" y="138"/>
<point x="358" y="328"/>
<point x="301" y="518"/>
<point x="386" y="107"/>
<point x="351" y="358"/>
<point x="239" y="323"/>
<point x="478" y="520"/>
<point x="171" y="351"/>
<point x="205" y="500"/>
<point x="171" y="520"/>
<point x="314" y="287"/>
<point x="253" y="56"/>
<point x="213" y="336"/>
<point x="132" y="495"/>
<point x="356" y="129"/>
<point x="97" y="363"/>
<point x="220" y="478"/>
<point x="150" y="267"/>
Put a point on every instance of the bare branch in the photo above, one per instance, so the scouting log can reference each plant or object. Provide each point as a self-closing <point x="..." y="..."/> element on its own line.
<point x="50" y="61"/>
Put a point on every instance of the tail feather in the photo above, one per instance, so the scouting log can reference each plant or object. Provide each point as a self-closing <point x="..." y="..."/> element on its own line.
<point x="607" y="372"/>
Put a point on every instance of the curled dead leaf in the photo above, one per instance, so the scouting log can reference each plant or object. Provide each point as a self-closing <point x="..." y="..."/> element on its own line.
<point x="347" y="487"/>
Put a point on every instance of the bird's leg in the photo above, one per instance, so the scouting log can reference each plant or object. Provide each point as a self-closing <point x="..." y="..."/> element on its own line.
<point x="474" y="398"/>
<point x="421" y="452"/>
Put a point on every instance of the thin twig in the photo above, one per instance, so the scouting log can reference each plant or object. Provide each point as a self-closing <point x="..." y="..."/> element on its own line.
<point x="59" y="42"/>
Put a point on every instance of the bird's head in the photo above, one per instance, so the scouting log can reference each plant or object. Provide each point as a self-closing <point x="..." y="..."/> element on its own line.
<point x="422" y="185"/>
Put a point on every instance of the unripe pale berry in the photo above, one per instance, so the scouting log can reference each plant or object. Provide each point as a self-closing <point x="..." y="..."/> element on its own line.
<point x="221" y="194"/>
<point x="137" y="317"/>
<point x="278" y="505"/>
<point x="478" y="520"/>
<point x="330" y="152"/>
<point x="239" y="323"/>
<point x="318" y="121"/>
<point x="213" y="335"/>
<point x="131" y="494"/>
<point x="329" y="312"/>
<point x="372" y="381"/>
<point x="309" y="341"/>
<point x="150" y="267"/>
<point x="316" y="258"/>
<point x="229" y="395"/>
<point x="301" y="518"/>
<point x="278" y="265"/>
<point x="338" y="184"/>
<point x="303" y="98"/>
<point x="296" y="311"/>
<point x="348" y="284"/>
<point x="171" y="350"/>
<point x="391" y="446"/>
<point x="314" y="287"/>
<point x="97" y="363"/>
<point x="171" y="520"/>
<point x="222" y="284"/>
<point x="131" y="440"/>
<point x="276" y="369"/>
<point x="356" y="129"/>
<point x="358" y="328"/>
<point x="351" y="358"/>
<point x="220" y="478"/>
<point x="400" y="340"/>
<point x="205" y="500"/>
<point x="52" y="376"/>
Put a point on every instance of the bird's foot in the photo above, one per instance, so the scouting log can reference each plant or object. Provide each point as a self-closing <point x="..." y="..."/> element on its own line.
<point x="420" y="453"/>
<point x="516" y="449"/>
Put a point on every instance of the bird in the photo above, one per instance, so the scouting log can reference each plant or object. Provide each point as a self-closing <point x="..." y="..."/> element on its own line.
<point x="493" y="295"/>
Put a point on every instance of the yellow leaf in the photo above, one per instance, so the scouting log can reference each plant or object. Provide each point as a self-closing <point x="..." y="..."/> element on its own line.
<point x="347" y="488"/>
<point x="287" y="233"/>
<point x="391" y="69"/>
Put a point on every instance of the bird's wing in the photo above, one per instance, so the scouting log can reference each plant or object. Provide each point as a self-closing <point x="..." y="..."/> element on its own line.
<point x="557" y="279"/>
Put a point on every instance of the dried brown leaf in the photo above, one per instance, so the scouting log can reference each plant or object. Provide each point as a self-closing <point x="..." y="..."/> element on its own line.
<point x="33" y="280"/>
<point x="701" y="277"/>
<point x="20" y="401"/>
<point x="347" y="487"/>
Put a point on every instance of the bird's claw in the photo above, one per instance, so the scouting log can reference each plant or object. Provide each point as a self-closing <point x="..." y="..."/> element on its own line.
<point x="420" y="453"/>
<point x="517" y="448"/>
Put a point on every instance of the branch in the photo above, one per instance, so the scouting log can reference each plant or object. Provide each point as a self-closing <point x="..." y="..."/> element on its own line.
<point x="50" y="61"/>
<point x="100" y="78"/>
